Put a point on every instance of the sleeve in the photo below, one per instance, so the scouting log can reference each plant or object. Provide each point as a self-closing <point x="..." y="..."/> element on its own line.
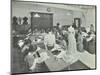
<point x="89" y="39"/>
<point x="45" y="40"/>
<point x="24" y="48"/>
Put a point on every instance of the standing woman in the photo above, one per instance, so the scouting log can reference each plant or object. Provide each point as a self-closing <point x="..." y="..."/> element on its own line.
<point x="80" y="41"/>
<point x="71" y="40"/>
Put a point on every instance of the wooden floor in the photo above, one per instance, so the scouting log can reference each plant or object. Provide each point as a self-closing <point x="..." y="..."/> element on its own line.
<point x="17" y="63"/>
<point x="19" y="66"/>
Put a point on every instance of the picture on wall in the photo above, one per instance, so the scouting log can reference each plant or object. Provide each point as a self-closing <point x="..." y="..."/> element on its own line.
<point x="77" y="22"/>
<point x="52" y="37"/>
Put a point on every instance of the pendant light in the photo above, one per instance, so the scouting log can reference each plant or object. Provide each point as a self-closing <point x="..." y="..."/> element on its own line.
<point x="36" y="15"/>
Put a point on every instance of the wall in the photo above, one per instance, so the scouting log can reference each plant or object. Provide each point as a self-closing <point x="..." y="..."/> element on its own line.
<point x="59" y="15"/>
<point x="90" y="17"/>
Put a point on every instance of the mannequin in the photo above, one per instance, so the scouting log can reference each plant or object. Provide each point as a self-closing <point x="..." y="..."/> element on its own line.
<point x="71" y="40"/>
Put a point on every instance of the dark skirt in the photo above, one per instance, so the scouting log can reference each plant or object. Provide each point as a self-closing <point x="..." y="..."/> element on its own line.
<point x="91" y="47"/>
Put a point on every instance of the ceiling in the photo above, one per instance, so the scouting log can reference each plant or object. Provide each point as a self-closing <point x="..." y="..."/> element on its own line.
<point x="62" y="6"/>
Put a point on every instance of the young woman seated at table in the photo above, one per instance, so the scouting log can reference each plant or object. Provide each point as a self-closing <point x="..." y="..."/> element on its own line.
<point x="60" y="41"/>
<point x="35" y="59"/>
<point x="30" y="57"/>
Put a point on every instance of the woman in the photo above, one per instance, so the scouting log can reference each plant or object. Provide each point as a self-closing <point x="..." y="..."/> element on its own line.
<point x="71" y="40"/>
<point x="62" y="42"/>
<point x="49" y="40"/>
<point x="35" y="59"/>
<point x="91" y="42"/>
<point x="80" y="41"/>
<point x="32" y="58"/>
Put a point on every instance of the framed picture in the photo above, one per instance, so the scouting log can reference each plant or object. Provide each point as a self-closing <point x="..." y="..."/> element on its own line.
<point x="77" y="22"/>
<point x="43" y="38"/>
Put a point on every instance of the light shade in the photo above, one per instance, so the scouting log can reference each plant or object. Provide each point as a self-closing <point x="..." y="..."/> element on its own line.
<point x="36" y="15"/>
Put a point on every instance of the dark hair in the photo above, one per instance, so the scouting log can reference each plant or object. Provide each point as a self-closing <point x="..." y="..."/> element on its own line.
<point x="91" y="24"/>
<point x="32" y="48"/>
<point x="28" y="41"/>
<point x="83" y="29"/>
<point x="61" y="38"/>
<point x="48" y="30"/>
<point x="58" y="24"/>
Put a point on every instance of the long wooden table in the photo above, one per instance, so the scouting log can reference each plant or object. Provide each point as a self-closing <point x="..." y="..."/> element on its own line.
<point x="55" y="64"/>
